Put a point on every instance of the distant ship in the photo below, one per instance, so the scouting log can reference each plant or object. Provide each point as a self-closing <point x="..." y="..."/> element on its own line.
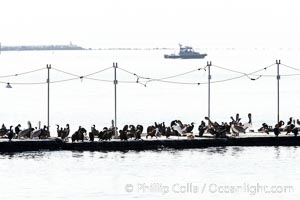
<point x="186" y="53"/>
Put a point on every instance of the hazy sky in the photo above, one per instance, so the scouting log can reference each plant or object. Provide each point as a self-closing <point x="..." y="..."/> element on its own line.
<point x="151" y="23"/>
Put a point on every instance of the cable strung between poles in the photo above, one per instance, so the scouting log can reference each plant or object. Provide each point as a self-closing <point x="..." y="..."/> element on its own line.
<point x="287" y="66"/>
<point x="64" y="72"/>
<point x="100" y="80"/>
<point x="23" y="73"/>
<point x="253" y="74"/>
<point x="177" y="75"/>
<point x="290" y="75"/>
<point x="220" y="81"/>
<point x="164" y="78"/>
<point x="65" y="80"/>
<point x="87" y="75"/>
<point x="149" y="79"/>
<point x="134" y="74"/>
<point x="97" y="72"/>
<point x="23" y="83"/>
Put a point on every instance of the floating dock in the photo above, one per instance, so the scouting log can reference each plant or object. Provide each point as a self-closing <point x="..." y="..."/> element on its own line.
<point x="30" y="145"/>
<point x="145" y="144"/>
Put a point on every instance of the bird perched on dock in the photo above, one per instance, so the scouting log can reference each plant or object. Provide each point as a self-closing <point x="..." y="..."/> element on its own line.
<point x="295" y="131"/>
<point x="66" y="132"/>
<point x="289" y="126"/>
<point x="277" y="129"/>
<point x="265" y="128"/>
<point x="151" y="130"/>
<point x="94" y="132"/>
<point x="10" y="133"/>
<point x="59" y="130"/>
<point x="106" y="133"/>
<point x="123" y="133"/>
<point x="138" y="132"/>
<point x="237" y="127"/>
<point x="202" y="127"/>
<point x="188" y="128"/>
<point x="216" y="129"/>
<point x="3" y="130"/>
<point x="79" y="134"/>
<point x="17" y="129"/>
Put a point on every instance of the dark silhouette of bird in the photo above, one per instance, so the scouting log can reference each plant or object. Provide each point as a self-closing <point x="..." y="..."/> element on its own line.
<point x="190" y="128"/>
<point x="10" y="133"/>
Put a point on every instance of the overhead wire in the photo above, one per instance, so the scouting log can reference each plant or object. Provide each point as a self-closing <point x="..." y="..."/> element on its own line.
<point x="248" y="74"/>
<point x="22" y="73"/>
<point x="163" y="79"/>
<point x="287" y="66"/>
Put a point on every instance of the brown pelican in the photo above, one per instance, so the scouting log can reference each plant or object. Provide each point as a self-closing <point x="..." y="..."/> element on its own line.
<point x="40" y="133"/>
<point x="237" y="127"/>
<point x="26" y="132"/>
<point x="216" y="129"/>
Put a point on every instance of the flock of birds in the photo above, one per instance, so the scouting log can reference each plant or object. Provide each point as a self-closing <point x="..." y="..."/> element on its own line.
<point x="176" y="128"/>
<point x="291" y="127"/>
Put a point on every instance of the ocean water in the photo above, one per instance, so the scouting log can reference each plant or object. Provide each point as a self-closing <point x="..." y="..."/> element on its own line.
<point x="210" y="173"/>
<point x="87" y="102"/>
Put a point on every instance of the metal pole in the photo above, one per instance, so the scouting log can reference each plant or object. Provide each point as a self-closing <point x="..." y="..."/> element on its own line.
<point x="115" y="65"/>
<point x="48" y="101"/>
<point x="278" y="78"/>
<point x="209" y="77"/>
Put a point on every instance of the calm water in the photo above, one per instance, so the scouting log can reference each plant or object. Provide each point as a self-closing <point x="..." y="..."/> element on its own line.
<point x="168" y="174"/>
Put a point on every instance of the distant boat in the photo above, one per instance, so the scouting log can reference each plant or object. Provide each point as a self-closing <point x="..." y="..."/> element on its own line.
<point x="186" y="53"/>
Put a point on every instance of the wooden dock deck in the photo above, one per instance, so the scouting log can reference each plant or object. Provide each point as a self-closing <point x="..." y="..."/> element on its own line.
<point x="250" y="139"/>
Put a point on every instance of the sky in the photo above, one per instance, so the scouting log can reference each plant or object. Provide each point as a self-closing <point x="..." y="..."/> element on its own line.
<point x="151" y="23"/>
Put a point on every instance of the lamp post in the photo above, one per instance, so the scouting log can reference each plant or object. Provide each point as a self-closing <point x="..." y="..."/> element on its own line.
<point x="115" y="66"/>
<point x="278" y="78"/>
<point x="209" y="78"/>
<point x="48" y="99"/>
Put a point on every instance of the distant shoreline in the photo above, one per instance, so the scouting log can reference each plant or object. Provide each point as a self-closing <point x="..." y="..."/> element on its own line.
<point x="41" y="48"/>
<point x="69" y="47"/>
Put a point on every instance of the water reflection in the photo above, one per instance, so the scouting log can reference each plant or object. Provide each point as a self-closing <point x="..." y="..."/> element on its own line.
<point x="216" y="150"/>
<point x="277" y="152"/>
<point x="236" y="151"/>
<point x="175" y="153"/>
<point x="35" y="155"/>
<point x="77" y="154"/>
<point x="103" y="156"/>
